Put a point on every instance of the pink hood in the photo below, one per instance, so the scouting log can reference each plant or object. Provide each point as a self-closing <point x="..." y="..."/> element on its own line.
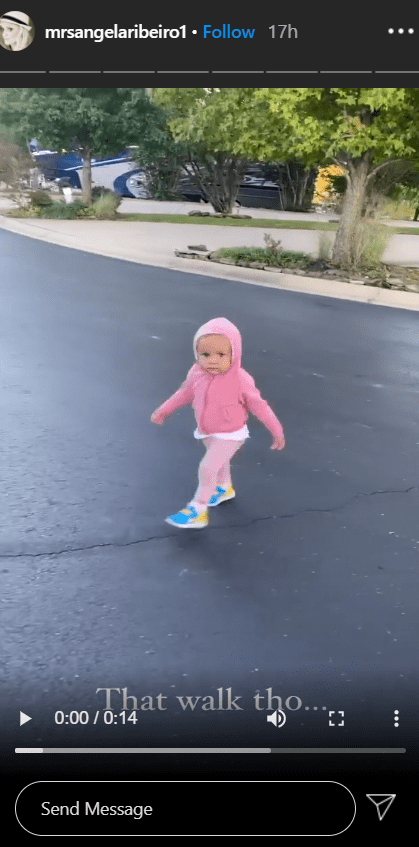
<point x="221" y="326"/>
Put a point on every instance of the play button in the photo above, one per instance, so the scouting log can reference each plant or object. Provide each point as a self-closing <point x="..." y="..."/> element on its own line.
<point x="24" y="718"/>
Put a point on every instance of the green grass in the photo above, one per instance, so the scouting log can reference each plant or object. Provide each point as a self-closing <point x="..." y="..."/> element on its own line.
<point x="254" y="222"/>
<point x="398" y="210"/>
<point x="266" y="223"/>
<point x="404" y="230"/>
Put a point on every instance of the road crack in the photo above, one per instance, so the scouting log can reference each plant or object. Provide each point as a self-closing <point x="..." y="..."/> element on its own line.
<point x="214" y="528"/>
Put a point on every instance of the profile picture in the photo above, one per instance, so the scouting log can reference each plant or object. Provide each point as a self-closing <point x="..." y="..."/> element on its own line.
<point x="16" y="31"/>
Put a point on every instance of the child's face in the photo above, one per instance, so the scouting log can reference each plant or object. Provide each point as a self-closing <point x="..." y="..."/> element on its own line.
<point x="214" y="353"/>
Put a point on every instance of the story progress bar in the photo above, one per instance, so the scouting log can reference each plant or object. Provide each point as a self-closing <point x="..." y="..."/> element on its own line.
<point x="176" y="750"/>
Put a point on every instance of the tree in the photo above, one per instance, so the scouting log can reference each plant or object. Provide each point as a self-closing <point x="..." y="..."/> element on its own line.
<point x="161" y="156"/>
<point x="206" y="121"/>
<point x="91" y="121"/>
<point x="15" y="166"/>
<point x="368" y="132"/>
<point x="295" y="183"/>
<point x="217" y="125"/>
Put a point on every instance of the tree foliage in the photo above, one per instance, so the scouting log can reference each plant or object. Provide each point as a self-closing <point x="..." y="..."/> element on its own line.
<point x="205" y="120"/>
<point x="371" y="133"/>
<point x="91" y="121"/>
<point x="220" y="127"/>
<point x="159" y="153"/>
<point x="15" y="166"/>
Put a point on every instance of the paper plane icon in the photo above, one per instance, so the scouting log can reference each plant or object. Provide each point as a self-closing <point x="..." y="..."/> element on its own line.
<point x="382" y="802"/>
<point x="24" y="718"/>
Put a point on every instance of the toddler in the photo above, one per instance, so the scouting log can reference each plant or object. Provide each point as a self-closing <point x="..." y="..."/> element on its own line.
<point x="221" y="393"/>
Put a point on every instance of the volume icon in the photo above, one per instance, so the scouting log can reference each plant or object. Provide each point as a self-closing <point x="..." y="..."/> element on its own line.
<point x="278" y="718"/>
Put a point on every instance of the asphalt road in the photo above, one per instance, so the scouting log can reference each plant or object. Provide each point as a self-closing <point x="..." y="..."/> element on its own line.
<point x="307" y="582"/>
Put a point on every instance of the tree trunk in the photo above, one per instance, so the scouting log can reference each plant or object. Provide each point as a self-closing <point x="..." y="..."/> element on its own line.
<point x="346" y="242"/>
<point x="223" y="189"/>
<point x="295" y="185"/>
<point x="219" y="178"/>
<point x="86" y="176"/>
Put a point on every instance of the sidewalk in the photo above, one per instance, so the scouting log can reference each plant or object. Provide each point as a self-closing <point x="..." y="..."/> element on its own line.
<point x="154" y="244"/>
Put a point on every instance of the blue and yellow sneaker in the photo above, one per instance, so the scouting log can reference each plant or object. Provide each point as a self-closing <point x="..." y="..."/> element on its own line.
<point x="189" y="518"/>
<point x="221" y="495"/>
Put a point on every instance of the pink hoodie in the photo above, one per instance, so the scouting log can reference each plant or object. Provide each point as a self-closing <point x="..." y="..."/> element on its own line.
<point x="221" y="402"/>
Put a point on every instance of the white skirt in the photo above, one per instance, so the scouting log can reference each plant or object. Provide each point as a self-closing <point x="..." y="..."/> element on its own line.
<point x="238" y="435"/>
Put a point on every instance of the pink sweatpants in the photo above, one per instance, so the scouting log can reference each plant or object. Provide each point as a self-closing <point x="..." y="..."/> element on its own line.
<point x="215" y="468"/>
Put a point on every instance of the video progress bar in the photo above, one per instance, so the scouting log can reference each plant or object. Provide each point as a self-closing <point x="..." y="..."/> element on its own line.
<point x="177" y="72"/>
<point x="176" y="750"/>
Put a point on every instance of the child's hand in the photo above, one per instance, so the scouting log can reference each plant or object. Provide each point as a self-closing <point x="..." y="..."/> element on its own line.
<point x="279" y="444"/>
<point x="157" y="418"/>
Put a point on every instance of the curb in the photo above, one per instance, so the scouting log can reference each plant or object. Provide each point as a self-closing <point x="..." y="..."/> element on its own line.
<point x="286" y="282"/>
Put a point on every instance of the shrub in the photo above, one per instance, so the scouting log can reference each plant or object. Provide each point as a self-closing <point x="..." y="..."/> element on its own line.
<point x="272" y="247"/>
<point x="399" y="209"/>
<point x="69" y="211"/>
<point x="99" y="191"/>
<point x="324" y="246"/>
<point x="370" y="240"/>
<point x="65" y="212"/>
<point x="285" y="258"/>
<point x="40" y="198"/>
<point x="162" y="174"/>
<point x="105" y="205"/>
